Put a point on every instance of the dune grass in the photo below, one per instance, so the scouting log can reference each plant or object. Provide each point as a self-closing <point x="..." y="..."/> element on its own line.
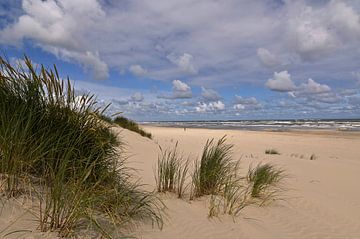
<point x="233" y="198"/>
<point x="271" y="151"/>
<point x="131" y="125"/>
<point x="171" y="172"/>
<point x="55" y="142"/>
<point x="265" y="181"/>
<point x="217" y="174"/>
<point x="214" y="168"/>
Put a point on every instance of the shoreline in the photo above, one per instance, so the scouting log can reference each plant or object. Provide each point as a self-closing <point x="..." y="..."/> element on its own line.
<point x="323" y="171"/>
<point x="327" y="132"/>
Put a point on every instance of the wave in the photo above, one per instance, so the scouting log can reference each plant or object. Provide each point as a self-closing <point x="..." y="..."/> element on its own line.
<point x="347" y="125"/>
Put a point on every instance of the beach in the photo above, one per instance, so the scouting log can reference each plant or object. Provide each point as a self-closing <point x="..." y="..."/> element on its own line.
<point x="322" y="199"/>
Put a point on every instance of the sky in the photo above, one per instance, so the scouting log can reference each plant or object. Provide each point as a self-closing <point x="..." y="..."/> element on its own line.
<point x="197" y="59"/>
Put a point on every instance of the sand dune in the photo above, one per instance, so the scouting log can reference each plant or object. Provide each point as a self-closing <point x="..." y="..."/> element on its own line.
<point x="322" y="200"/>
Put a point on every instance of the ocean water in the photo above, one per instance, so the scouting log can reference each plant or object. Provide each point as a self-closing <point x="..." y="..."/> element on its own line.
<point x="276" y="125"/>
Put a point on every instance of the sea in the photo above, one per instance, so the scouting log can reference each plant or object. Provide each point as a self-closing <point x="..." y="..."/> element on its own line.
<point x="273" y="125"/>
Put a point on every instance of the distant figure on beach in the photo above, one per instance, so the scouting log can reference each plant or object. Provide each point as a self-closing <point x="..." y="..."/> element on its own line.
<point x="184" y="128"/>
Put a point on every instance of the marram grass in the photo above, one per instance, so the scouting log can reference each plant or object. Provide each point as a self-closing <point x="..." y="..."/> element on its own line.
<point x="131" y="125"/>
<point x="265" y="181"/>
<point x="171" y="172"/>
<point x="214" y="168"/>
<point x="55" y="141"/>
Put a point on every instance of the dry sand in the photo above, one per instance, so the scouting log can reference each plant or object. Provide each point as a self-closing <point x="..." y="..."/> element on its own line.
<point x="322" y="201"/>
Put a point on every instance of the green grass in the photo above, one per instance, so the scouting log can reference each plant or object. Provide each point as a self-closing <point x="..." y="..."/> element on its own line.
<point x="233" y="198"/>
<point x="271" y="151"/>
<point x="53" y="142"/>
<point x="106" y="118"/>
<point x="131" y="125"/>
<point x="214" y="168"/>
<point x="265" y="180"/>
<point x="171" y="172"/>
<point x="217" y="175"/>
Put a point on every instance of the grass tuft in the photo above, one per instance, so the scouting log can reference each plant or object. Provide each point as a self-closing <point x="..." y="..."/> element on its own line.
<point x="171" y="172"/>
<point x="214" y="168"/>
<point x="264" y="181"/>
<point x="131" y="125"/>
<point x="53" y="142"/>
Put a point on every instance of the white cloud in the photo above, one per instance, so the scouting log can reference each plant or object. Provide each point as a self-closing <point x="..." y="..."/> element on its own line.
<point x="209" y="94"/>
<point x="345" y="19"/>
<point x="187" y="103"/>
<point x="180" y="90"/>
<point x="312" y="87"/>
<point x="317" y="31"/>
<point x="245" y="101"/>
<point x="312" y="41"/>
<point x="60" y="28"/>
<point x="210" y="107"/>
<point x="184" y="62"/>
<point x="180" y="86"/>
<point x="137" y="97"/>
<point x="89" y="60"/>
<point x="267" y="58"/>
<point x="242" y="103"/>
<point x="17" y="62"/>
<point x="239" y="107"/>
<point x="218" y="43"/>
<point x="137" y="70"/>
<point x="281" y="82"/>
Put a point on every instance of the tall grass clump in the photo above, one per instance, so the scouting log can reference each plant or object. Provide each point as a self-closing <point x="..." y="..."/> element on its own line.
<point x="265" y="181"/>
<point x="214" y="168"/>
<point x="131" y="125"/>
<point x="53" y="142"/>
<point x="217" y="175"/>
<point x="171" y="172"/>
<point x="233" y="198"/>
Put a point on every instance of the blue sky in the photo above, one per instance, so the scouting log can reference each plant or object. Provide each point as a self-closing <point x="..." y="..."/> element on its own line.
<point x="197" y="59"/>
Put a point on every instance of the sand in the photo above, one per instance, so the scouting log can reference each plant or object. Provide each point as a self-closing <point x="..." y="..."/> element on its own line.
<point x="322" y="198"/>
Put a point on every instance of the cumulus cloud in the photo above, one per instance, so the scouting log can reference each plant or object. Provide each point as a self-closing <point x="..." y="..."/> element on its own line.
<point x="180" y="90"/>
<point x="281" y="82"/>
<point x="221" y="38"/>
<point x="210" y="107"/>
<point x="239" y="107"/>
<point x="245" y="101"/>
<point x="137" y="70"/>
<point x="312" y="41"/>
<point x="59" y="28"/>
<point x="209" y="94"/>
<point x="89" y="60"/>
<point x="137" y="97"/>
<point x="317" y="31"/>
<point x="312" y="87"/>
<point x="241" y="103"/>
<point x="220" y="45"/>
<point x="184" y="62"/>
<point x="345" y="19"/>
<point x="188" y="103"/>
<point x="267" y="58"/>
